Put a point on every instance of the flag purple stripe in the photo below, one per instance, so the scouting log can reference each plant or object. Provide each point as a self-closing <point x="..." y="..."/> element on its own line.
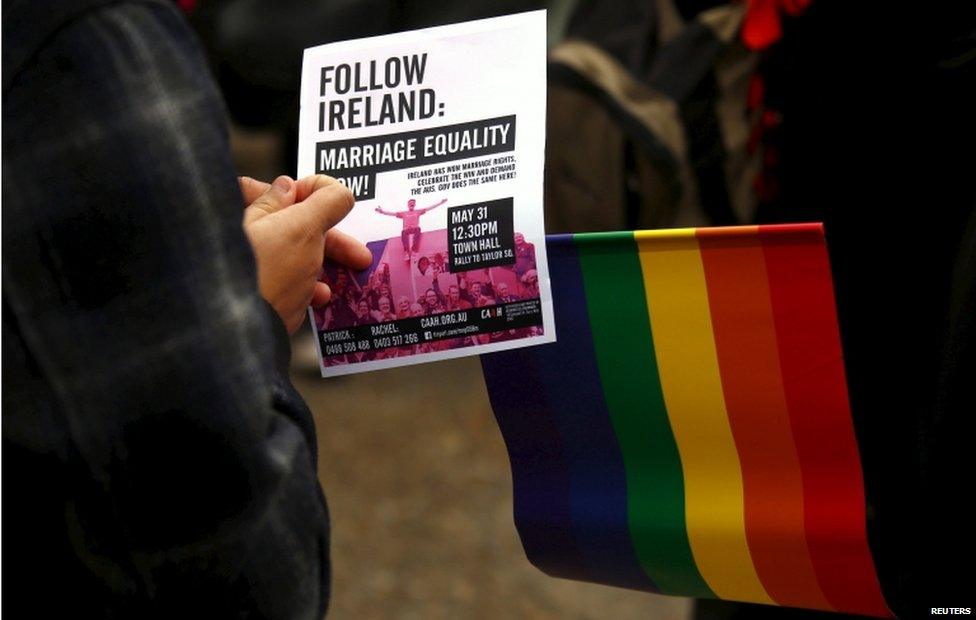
<point x="598" y="484"/>
<point x="540" y="478"/>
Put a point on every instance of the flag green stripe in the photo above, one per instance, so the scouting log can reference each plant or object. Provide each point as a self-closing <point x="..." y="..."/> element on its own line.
<point x="625" y="355"/>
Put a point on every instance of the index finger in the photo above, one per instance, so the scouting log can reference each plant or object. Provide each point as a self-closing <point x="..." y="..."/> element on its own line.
<point x="347" y="250"/>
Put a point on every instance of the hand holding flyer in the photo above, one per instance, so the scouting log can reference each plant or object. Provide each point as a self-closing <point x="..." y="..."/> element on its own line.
<point x="440" y="135"/>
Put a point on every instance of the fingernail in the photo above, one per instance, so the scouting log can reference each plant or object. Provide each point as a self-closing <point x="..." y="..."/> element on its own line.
<point x="283" y="184"/>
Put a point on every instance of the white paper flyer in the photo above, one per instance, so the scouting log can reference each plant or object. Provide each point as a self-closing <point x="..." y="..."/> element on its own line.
<point x="440" y="133"/>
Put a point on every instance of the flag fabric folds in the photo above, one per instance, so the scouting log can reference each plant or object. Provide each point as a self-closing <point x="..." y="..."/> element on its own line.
<point x="689" y="432"/>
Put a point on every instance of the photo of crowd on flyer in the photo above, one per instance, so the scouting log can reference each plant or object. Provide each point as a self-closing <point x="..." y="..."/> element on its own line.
<point x="404" y="282"/>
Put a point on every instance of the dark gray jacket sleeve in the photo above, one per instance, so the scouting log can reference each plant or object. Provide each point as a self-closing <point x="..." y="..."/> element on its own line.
<point x="145" y="369"/>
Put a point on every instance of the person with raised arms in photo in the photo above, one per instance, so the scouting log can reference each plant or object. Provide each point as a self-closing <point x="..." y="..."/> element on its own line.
<point x="411" y="224"/>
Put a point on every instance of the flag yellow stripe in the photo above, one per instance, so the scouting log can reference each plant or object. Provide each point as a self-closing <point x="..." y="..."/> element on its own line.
<point x="677" y="302"/>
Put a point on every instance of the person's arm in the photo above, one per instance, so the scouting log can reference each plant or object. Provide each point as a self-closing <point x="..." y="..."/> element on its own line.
<point x="488" y="285"/>
<point x="354" y="282"/>
<point x="463" y="289"/>
<point x="437" y="290"/>
<point x="432" y="207"/>
<point x="384" y="212"/>
<point x="191" y="484"/>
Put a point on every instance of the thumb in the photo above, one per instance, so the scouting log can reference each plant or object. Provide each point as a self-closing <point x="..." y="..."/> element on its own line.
<point x="279" y="195"/>
<point x="327" y="205"/>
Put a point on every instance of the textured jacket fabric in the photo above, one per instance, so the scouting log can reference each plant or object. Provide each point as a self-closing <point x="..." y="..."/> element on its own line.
<point x="156" y="460"/>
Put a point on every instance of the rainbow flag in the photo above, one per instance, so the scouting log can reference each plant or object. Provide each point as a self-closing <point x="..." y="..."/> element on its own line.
<point x="690" y="432"/>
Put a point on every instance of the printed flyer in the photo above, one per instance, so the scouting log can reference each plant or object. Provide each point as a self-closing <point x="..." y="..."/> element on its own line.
<point x="440" y="134"/>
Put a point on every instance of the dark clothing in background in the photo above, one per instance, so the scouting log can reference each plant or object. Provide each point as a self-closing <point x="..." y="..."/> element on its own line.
<point x="156" y="460"/>
<point x="879" y="141"/>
